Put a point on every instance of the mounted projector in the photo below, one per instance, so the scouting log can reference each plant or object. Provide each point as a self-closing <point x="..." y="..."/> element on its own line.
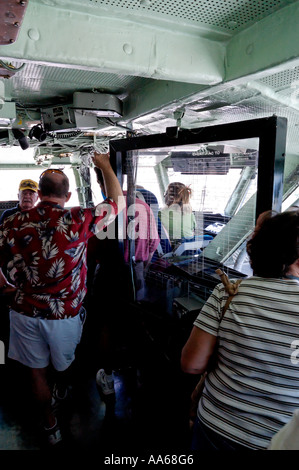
<point x="100" y="104"/>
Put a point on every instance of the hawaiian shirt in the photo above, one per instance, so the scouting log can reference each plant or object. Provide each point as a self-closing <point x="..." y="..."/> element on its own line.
<point x="45" y="253"/>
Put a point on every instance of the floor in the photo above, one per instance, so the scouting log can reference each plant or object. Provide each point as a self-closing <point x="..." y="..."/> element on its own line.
<point x="150" y="413"/>
<point x="148" y="420"/>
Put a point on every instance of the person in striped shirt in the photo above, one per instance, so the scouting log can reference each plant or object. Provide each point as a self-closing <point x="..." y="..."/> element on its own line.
<point x="253" y="390"/>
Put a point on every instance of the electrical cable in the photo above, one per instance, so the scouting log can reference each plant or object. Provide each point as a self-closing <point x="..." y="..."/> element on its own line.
<point x="11" y="68"/>
<point x="115" y="124"/>
<point x="26" y="111"/>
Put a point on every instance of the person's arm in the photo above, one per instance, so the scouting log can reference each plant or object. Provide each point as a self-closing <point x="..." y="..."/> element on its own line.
<point x="112" y="186"/>
<point x="3" y="280"/>
<point x="197" y="351"/>
<point x="5" y="286"/>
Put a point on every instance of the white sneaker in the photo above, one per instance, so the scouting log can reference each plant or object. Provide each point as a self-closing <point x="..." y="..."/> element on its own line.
<point x="105" y="382"/>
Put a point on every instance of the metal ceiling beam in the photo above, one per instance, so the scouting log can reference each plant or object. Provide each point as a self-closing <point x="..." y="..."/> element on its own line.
<point x="271" y="43"/>
<point x="156" y="95"/>
<point x="68" y="38"/>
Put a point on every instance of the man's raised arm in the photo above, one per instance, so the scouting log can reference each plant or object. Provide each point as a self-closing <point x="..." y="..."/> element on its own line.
<point x="112" y="186"/>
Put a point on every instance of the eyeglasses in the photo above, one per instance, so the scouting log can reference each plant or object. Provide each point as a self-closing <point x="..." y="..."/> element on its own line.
<point x="51" y="170"/>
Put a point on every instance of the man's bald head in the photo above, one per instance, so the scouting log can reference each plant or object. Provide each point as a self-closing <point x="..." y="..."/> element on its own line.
<point x="54" y="184"/>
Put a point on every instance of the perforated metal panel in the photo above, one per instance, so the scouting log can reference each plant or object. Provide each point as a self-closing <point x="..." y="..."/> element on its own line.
<point x="40" y="83"/>
<point x="231" y="15"/>
<point x="282" y="80"/>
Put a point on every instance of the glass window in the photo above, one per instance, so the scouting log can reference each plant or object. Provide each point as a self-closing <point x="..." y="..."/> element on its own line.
<point x="222" y="181"/>
<point x="12" y="173"/>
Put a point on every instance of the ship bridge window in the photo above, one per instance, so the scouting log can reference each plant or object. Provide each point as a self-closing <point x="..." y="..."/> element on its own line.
<point x="14" y="169"/>
<point x="216" y="214"/>
<point x="206" y="187"/>
<point x="11" y="178"/>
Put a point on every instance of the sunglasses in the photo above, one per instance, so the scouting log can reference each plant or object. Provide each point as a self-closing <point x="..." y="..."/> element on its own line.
<point x="51" y="170"/>
<point x="28" y="184"/>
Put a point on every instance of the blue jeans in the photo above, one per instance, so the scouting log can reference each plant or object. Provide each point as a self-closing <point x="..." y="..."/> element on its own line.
<point x="205" y="439"/>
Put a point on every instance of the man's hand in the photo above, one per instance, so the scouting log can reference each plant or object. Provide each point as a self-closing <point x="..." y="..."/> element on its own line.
<point x="8" y="289"/>
<point x="112" y="186"/>
<point x="101" y="160"/>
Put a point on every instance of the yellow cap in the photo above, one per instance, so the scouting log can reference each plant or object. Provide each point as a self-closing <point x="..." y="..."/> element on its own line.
<point x="28" y="184"/>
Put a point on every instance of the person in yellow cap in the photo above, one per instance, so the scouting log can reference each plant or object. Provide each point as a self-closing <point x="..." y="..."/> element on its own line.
<point x="28" y="196"/>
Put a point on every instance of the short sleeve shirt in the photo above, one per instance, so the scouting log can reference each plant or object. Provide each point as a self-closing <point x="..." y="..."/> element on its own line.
<point x="142" y="229"/>
<point x="254" y="389"/>
<point x="177" y="223"/>
<point x="45" y="252"/>
<point x="8" y="213"/>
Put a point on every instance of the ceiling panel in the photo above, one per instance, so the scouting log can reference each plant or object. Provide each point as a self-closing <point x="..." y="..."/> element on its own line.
<point x="44" y="84"/>
<point x="144" y="52"/>
<point x="227" y="15"/>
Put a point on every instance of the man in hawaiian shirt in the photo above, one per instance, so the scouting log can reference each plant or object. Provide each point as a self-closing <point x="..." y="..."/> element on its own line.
<point x="45" y="249"/>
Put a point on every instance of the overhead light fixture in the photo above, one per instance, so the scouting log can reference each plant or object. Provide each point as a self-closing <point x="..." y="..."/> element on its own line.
<point x="20" y="136"/>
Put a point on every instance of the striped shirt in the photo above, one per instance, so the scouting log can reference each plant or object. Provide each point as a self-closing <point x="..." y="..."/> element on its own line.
<point x="254" y="388"/>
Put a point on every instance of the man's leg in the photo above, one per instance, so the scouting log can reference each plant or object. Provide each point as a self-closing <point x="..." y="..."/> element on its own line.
<point x="63" y="380"/>
<point x="43" y="396"/>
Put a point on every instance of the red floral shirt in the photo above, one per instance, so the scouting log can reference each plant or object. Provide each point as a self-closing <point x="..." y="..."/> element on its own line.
<point x="45" y="253"/>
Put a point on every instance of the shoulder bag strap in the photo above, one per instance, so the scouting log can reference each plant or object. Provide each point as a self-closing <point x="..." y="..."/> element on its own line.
<point x="230" y="287"/>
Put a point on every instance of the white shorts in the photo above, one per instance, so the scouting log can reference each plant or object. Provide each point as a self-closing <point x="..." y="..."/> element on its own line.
<point x="35" y="342"/>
